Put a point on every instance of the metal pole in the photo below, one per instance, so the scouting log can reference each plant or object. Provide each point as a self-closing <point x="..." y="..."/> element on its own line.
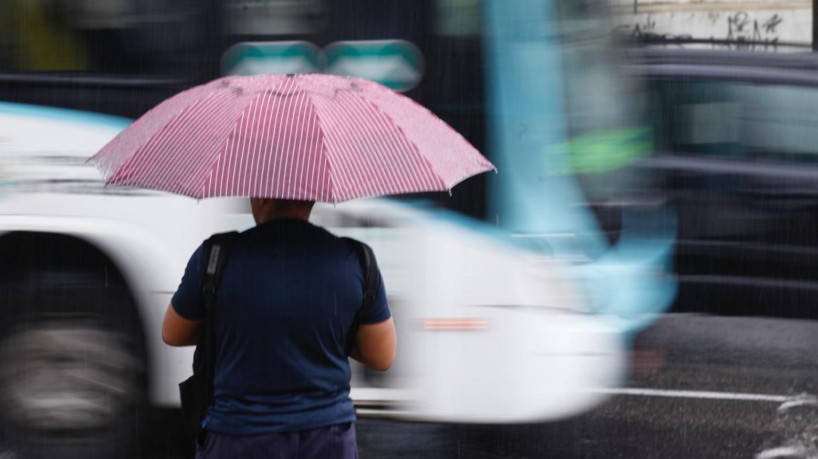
<point x="636" y="10"/>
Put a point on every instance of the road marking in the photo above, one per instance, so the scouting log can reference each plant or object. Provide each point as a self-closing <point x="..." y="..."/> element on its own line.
<point x="784" y="452"/>
<point x="700" y="395"/>
<point x="805" y="400"/>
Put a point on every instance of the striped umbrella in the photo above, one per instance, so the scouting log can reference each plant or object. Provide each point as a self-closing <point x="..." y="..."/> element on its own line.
<point x="304" y="137"/>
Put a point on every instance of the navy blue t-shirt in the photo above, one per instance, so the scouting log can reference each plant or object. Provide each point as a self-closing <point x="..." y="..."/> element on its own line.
<point x="285" y="307"/>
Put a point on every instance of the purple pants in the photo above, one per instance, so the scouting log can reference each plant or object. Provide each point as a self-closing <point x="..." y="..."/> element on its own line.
<point x="331" y="442"/>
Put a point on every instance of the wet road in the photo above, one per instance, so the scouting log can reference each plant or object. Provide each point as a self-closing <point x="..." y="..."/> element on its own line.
<point x="702" y="387"/>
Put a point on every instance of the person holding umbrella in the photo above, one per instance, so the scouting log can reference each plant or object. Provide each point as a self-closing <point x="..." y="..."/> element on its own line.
<point x="289" y="306"/>
<point x="290" y="296"/>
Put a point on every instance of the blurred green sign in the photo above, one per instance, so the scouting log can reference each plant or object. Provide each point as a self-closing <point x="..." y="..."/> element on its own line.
<point x="396" y="64"/>
<point x="604" y="150"/>
<point x="255" y="58"/>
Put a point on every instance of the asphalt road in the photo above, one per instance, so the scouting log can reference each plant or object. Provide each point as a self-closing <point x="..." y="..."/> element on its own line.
<point x="702" y="387"/>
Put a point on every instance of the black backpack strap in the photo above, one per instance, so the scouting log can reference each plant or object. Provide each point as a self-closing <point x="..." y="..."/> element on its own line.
<point x="372" y="278"/>
<point x="216" y="250"/>
<point x="196" y="392"/>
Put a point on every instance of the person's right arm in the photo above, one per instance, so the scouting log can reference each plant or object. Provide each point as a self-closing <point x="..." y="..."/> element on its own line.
<point x="185" y="314"/>
<point x="375" y="345"/>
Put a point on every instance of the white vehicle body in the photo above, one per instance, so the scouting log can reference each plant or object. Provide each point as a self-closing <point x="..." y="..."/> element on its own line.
<point x="487" y="331"/>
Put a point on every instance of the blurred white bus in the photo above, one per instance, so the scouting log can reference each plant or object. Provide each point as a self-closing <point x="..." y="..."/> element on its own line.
<point x="488" y="332"/>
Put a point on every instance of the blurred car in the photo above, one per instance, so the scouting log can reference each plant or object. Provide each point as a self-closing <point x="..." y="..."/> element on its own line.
<point x="736" y="136"/>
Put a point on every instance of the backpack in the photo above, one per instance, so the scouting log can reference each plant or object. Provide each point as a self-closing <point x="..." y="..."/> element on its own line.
<point x="196" y="392"/>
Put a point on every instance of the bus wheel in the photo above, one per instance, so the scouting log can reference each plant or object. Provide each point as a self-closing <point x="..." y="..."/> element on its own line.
<point x="71" y="371"/>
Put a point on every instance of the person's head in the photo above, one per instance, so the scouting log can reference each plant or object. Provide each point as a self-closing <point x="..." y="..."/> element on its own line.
<point x="270" y="209"/>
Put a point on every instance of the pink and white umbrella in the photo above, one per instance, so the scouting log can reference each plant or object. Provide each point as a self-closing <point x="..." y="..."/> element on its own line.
<point x="304" y="137"/>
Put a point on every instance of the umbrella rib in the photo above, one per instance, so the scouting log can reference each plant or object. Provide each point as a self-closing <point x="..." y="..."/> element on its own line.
<point x="324" y="154"/>
<point x="257" y="183"/>
<point x="187" y="133"/>
<point x="329" y="178"/>
<point x="432" y="173"/>
<point x="327" y="132"/>
<point x="362" y="164"/>
<point x="222" y="152"/>
<point x="382" y="147"/>
<point x="482" y="163"/>
<point x="110" y="171"/>
<point x="147" y="149"/>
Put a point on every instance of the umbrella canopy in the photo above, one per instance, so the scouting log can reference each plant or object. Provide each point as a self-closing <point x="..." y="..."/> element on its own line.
<point x="308" y="137"/>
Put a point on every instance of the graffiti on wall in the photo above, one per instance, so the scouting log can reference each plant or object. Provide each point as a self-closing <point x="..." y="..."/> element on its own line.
<point x="739" y="30"/>
<point x="647" y="31"/>
<point x="744" y="32"/>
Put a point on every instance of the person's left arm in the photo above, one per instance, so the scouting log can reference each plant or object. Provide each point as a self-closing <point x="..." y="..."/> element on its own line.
<point x="375" y="341"/>
<point x="184" y="318"/>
